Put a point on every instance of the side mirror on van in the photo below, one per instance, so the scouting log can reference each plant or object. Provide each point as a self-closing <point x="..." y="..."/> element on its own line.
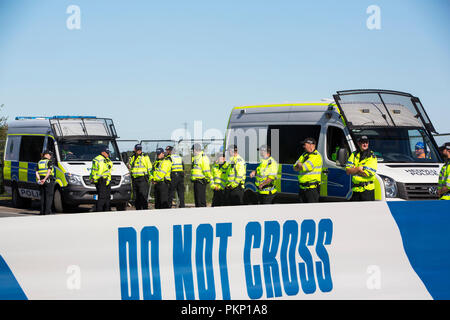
<point x="342" y="157"/>
<point x="124" y="157"/>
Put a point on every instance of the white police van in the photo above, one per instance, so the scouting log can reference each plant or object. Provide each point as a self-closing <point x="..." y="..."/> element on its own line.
<point x="395" y="123"/>
<point x="75" y="141"/>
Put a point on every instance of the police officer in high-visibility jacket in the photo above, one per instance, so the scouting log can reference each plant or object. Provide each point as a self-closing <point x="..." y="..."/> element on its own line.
<point x="161" y="179"/>
<point x="444" y="175"/>
<point x="236" y="173"/>
<point x="45" y="176"/>
<point x="101" y="177"/>
<point x="200" y="174"/>
<point x="219" y="174"/>
<point x="141" y="171"/>
<point x="177" y="176"/>
<point x="362" y="165"/>
<point x="309" y="167"/>
<point x="265" y="176"/>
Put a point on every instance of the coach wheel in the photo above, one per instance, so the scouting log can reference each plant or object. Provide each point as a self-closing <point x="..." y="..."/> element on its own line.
<point x="58" y="201"/>
<point x="17" y="200"/>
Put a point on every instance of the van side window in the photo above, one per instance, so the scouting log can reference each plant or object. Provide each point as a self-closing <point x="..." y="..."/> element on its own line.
<point x="12" y="148"/>
<point x="289" y="139"/>
<point x="51" y="145"/>
<point x="31" y="148"/>
<point x="335" y="140"/>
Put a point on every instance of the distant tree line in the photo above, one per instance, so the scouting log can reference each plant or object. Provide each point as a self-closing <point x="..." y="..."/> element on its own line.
<point x="3" y="132"/>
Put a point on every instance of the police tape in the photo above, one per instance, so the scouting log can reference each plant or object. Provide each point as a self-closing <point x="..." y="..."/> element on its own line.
<point x="377" y="250"/>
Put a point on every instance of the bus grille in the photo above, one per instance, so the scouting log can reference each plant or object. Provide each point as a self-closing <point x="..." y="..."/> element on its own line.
<point x="115" y="181"/>
<point x="418" y="191"/>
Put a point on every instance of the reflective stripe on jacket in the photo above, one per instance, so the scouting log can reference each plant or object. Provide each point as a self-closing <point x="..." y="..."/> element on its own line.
<point x="43" y="166"/>
<point x="219" y="175"/>
<point x="177" y="163"/>
<point x="140" y="165"/>
<point x="268" y="168"/>
<point x="101" y="168"/>
<point x="444" y="180"/>
<point x="236" y="171"/>
<point x="161" y="170"/>
<point x="310" y="175"/>
<point x="200" y="168"/>
<point x="369" y="164"/>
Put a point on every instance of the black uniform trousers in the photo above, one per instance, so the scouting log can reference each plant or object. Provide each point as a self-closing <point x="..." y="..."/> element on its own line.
<point x="104" y="196"/>
<point x="200" y="193"/>
<point x="266" y="198"/>
<point x="367" y="195"/>
<point x="309" y="195"/>
<point x="162" y="195"/>
<point x="235" y="196"/>
<point x="46" y="191"/>
<point x="177" y="184"/>
<point x="140" y="191"/>
<point x="219" y="198"/>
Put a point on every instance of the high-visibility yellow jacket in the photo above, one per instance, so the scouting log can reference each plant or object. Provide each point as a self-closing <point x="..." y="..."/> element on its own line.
<point x="101" y="168"/>
<point x="161" y="170"/>
<point x="200" y="168"/>
<point x="310" y="175"/>
<point x="219" y="175"/>
<point x="43" y="166"/>
<point x="444" y="180"/>
<point x="236" y="172"/>
<point x="369" y="164"/>
<point x="267" y="168"/>
<point x="140" y="165"/>
<point x="177" y="163"/>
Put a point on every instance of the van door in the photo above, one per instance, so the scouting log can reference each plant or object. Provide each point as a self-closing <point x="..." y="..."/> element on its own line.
<point x="337" y="183"/>
<point x="285" y="141"/>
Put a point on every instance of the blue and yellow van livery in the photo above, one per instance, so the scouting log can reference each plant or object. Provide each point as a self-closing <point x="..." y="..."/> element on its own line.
<point x="394" y="122"/>
<point x="28" y="137"/>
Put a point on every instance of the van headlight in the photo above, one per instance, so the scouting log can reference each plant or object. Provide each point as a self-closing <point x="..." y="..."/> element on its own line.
<point x="390" y="186"/>
<point x="74" y="179"/>
<point x="126" y="179"/>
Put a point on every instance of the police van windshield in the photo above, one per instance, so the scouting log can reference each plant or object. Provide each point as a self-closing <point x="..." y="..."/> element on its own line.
<point x="400" y="144"/>
<point x="86" y="150"/>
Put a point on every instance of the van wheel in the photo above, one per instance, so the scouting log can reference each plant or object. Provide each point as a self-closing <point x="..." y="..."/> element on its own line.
<point x="17" y="200"/>
<point x="58" y="201"/>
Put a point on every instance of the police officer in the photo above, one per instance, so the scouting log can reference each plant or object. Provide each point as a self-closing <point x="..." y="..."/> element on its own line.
<point x="45" y="178"/>
<point x="362" y="165"/>
<point x="176" y="175"/>
<point x="444" y="175"/>
<point x="265" y="176"/>
<point x="200" y="175"/>
<point x="219" y="174"/>
<point x="236" y="173"/>
<point x="161" y="179"/>
<point x="309" y="167"/>
<point x="101" y="177"/>
<point x="140" y="169"/>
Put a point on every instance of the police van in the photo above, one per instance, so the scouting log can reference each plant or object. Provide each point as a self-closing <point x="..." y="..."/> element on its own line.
<point x="74" y="141"/>
<point x="395" y="123"/>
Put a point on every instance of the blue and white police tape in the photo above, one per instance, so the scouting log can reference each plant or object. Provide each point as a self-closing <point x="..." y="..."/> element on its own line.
<point x="377" y="250"/>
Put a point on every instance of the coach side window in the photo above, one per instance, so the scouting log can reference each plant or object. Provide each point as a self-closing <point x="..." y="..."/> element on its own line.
<point x="335" y="141"/>
<point x="31" y="148"/>
<point x="12" y="148"/>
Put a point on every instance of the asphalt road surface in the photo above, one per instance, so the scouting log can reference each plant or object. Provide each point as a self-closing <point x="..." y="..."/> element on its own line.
<point x="7" y="209"/>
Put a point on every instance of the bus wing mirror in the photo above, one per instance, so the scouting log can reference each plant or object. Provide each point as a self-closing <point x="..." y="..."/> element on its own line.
<point x="124" y="157"/>
<point x="342" y="157"/>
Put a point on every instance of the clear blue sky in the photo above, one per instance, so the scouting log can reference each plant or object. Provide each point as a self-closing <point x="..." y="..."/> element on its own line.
<point x="152" y="65"/>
